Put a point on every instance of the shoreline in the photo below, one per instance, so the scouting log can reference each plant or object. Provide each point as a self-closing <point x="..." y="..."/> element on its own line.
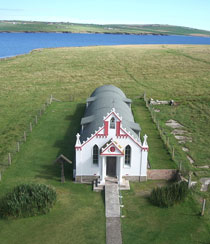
<point x="91" y="32"/>
<point x="107" y="33"/>
<point x="40" y="49"/>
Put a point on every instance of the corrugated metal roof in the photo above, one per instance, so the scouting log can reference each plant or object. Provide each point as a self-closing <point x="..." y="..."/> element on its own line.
<point x="101" y="102"/>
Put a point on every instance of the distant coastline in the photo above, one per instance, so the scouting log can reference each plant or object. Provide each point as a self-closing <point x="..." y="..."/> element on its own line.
<point x="17" y="43"/>
<point x="123" y="29"/>
<point x="88" y="32"/>
<point x="105" y="33"/>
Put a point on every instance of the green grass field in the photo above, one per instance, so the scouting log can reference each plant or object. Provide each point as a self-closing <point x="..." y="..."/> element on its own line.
<point x="164" y="72"/>
<point x="35" y="26"/>
<point x="145" y="223"/>
<point x="78" y="215"/>
<point x="159" y="157"/>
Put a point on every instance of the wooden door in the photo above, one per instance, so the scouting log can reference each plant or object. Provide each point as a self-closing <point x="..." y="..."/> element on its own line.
<point x="111" y="166"/>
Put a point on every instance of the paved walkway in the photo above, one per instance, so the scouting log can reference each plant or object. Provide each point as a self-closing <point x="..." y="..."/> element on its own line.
<point x="112" y="206"/>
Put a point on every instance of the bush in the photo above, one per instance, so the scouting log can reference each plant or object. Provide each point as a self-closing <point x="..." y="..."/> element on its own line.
<point x="27" y="200"/>
<point x="167" y="196"/>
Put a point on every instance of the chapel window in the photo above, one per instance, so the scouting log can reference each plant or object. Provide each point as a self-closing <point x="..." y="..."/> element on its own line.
<point x="112" y="123"/>
<point x="128" y="155"/>
<point x="95" y="154"/>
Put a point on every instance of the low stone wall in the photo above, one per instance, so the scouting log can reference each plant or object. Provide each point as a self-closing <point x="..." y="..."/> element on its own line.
<point x="135" y="178"/>
<point x="152" y="174"/>
<point x="87" y="179"/>
<point x="161" y="174"/>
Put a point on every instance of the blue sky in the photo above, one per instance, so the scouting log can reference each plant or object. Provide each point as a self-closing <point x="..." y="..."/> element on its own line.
<point x="190" y="13"/>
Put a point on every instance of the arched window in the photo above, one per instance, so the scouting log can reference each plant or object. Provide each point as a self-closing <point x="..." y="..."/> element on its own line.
<point x="128" y="155"/>
<point x="95" y="154"/>
<point x="112" y="123"/>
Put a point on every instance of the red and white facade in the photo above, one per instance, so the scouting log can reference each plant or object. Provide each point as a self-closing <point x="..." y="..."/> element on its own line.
<point x="120" y="153"/>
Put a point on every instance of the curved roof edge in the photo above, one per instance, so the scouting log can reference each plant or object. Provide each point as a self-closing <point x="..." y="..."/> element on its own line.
<point x="102" y="101"/>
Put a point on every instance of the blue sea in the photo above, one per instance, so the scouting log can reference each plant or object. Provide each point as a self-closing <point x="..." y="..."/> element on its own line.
<point x="12" y="44"/>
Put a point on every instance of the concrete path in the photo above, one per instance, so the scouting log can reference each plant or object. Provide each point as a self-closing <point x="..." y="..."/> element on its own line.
<point x="112" y="208"/>
<point x="113" y="231"/>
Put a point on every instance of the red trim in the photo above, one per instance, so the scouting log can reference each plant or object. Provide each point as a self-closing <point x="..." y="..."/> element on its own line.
<point x="122" y="135"/>
<point x="96" y="135"/>
<point x="111" y="114"/>
<point x="112" y="144"/>
<point x="118" y="128"/>
<point x="112" y="149"/>
<point x="112" y="154"/>
<point x="78" y="148"/>
<point x="107" y="147"/>
<point x="106" y="125"/>
<point x="145" y="148"/>
<point x="131" y="138"/>
<point x="100" y="130"/>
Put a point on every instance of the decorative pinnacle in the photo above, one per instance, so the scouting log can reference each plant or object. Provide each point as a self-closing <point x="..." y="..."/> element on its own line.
<point x="145" y="141"/>
<point x="78" y="143"/>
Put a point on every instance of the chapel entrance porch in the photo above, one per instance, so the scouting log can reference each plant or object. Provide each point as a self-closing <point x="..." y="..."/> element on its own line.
<point x="111" y="172"/>
<point x="111" y="167"/>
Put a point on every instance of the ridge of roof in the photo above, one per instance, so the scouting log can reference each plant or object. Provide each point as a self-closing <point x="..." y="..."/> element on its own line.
<point x="101" y="103"/>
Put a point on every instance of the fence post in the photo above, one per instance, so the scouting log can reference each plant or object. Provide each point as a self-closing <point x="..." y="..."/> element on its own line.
<point x="51" y="98"/>
<point x="155" y="117"/>
<point x="9" y="158"/>
<point x="36" y="119"/>
<point x="62" y="173"/>
<point x="167" y="142"/>
<point x="173" y="153"/>
<point x="180" y="166"/>
<point x="30" y="125"/>
<point x="203" y="207"/>
<point x="24" y="135"/>
<point x="18" y="146"/>
<point x="40" y="112"/>
<point x="189" y="181"/>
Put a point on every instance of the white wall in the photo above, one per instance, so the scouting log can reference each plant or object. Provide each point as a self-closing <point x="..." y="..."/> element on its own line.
<point x="85" y="166"/>
<point x="84" y="162"/>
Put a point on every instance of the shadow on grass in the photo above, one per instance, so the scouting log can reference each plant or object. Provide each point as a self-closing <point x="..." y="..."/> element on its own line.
<point x="103" y="196"/>
<point x="66" y="147"/>
<point x="67" y="144"/>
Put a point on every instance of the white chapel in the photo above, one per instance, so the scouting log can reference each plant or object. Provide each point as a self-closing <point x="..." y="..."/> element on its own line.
<point x="109" y="143"/>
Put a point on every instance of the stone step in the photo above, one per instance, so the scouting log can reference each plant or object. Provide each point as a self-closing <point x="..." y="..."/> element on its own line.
<point x="100" y="187"/>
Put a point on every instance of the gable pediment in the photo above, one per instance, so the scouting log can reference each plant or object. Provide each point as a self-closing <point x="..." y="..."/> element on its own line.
<point x="112" y="148"/>
<point x="111" y="115"/>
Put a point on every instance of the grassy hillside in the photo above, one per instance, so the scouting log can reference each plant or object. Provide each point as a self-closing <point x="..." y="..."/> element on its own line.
<point x="145" y="223"/>
<point x="27" y="26"/>
<point x="78" y="215"/>
<point x="166" y="72"/>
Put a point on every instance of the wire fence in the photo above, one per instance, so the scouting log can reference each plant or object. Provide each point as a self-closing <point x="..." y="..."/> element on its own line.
<point x="176" y="155"/>
<point x="15" y="148"/>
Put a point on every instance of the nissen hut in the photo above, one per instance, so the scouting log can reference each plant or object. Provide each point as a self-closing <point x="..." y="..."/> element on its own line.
<point x="109" y="143"/>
